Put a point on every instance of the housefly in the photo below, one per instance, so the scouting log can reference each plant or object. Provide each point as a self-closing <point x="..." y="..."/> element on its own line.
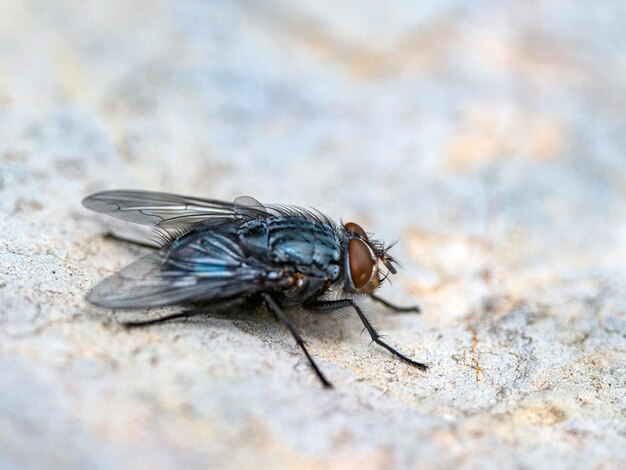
<point x="210" y="254"/>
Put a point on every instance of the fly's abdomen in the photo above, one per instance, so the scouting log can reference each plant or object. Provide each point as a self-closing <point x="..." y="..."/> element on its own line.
<point x="309" y="246"/>
<point x="204" y="253"/>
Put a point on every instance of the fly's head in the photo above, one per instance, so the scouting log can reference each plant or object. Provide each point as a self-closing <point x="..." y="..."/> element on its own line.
<point x="362" y="257"/>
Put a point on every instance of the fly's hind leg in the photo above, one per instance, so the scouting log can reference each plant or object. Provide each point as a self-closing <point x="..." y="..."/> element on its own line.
<point x="154" y="321"/>
<point x="325" y="305"/>
<point x="130" y="241"/>
<point x="394" y="307"/>
<point x="280" y="316"/>
<point x="200" y="309"/>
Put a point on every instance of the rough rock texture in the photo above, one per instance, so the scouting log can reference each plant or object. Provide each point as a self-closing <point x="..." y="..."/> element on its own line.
<point x="490" y="137"/>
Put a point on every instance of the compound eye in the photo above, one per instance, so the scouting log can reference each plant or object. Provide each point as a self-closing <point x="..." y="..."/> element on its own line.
<point x="356" y="228"/>
<point x="361" y="263"/>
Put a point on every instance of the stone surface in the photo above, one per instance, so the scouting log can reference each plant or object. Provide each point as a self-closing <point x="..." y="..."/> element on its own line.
<point x="487" y="136"/>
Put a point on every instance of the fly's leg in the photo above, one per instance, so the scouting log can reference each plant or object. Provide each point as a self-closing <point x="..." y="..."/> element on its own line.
<point x="190" y="312"/>
<point x="280" y="316"/>
<point x="154" y="321"/>
<point x="119" y="238"/>
<point x="394" y="307"/>
<point x="325" y="305"/>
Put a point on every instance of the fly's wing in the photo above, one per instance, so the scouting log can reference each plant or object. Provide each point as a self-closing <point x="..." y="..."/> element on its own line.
<point x="210" y="268"/>
<point x="170" y="211"/>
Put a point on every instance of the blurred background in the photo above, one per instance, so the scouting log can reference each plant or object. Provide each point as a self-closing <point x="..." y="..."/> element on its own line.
<point x="487" y="136"/>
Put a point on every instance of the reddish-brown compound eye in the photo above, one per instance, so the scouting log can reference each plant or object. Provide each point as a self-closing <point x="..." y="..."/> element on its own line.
<point x="361" y="263"/>
<point x="356" y="228"/>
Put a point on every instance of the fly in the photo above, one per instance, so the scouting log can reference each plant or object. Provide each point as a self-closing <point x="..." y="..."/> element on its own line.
<point x="211" y="254"/>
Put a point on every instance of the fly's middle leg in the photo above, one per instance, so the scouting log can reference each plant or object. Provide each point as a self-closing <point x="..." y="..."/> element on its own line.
<point x="280" y="316"/>
<point x="325" y="305"/>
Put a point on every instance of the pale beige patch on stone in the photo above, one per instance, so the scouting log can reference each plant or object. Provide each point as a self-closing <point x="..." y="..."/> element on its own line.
<point x="488" y="133"/>
<point x="420" y="50"/>
<point x="457" y="272"/>
<point x="548" y="415"/>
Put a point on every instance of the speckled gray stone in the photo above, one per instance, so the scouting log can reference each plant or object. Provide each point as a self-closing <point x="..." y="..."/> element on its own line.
<point x="487" y="136"/>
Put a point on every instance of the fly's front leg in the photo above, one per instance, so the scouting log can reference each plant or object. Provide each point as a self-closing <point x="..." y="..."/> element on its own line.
<point x="394" y="307"/>
<point x="280" y="316"/>
<point x="326" y="305"/>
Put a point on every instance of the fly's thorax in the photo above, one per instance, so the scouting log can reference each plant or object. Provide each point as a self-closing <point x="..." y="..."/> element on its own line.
<point x="309" y="246"/>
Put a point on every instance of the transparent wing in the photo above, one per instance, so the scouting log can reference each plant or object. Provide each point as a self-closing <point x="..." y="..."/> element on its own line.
<point x="208" y="269"/>
<point x="169" y="211"/>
